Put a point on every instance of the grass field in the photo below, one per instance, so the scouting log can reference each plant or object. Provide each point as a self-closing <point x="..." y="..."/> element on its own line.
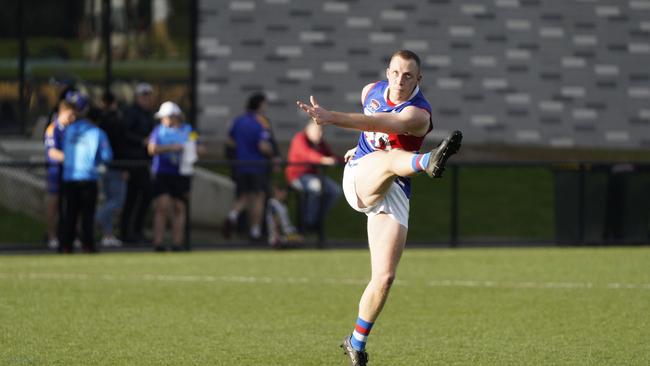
<point x="449" y="307"/>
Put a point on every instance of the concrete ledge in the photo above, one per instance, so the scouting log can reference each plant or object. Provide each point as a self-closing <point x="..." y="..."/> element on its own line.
<point x="212" y="196"/>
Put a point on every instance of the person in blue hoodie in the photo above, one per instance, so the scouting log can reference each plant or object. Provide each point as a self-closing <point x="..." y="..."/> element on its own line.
<point x="85" y="149"/>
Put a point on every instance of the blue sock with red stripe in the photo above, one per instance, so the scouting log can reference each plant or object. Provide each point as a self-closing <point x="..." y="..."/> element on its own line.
<point x="420" y="161"/>
<point x="360" y="334"/>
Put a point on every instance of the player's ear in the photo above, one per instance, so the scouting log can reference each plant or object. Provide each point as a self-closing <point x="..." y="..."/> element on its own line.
<point x="387" y="72"/>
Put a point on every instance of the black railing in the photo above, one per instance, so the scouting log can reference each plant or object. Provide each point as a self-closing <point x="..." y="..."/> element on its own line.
<point x="591" y="202"/>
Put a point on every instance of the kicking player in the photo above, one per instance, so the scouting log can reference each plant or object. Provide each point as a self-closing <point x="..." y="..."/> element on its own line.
<point x="395" y="119"/>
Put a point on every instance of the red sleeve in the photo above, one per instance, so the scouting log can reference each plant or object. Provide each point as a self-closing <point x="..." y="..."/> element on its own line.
<point x="301" y="151"/>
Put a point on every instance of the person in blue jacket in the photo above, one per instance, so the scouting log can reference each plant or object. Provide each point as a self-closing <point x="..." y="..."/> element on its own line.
<point x="85" y="149"/>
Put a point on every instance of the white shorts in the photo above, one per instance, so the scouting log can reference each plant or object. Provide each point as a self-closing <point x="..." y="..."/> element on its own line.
<point x="395" y="203"/>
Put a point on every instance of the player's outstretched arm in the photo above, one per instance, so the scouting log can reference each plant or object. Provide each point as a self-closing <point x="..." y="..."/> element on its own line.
<point x="411" y="120"/>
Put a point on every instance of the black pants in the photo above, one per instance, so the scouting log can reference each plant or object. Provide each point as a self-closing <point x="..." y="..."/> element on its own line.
<point x="77" y="199"/>
<point x="139" y="191"/>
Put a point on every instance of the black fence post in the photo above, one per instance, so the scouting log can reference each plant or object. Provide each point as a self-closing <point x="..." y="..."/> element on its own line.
<point x="453" y="230"/>
<point x="320" y="222"/>
<point x="581" y="203"/>
<point x="194" y="20"/>
<point x="22" y="103"/>
<point x="194" y="35"/>
<point x="188" y="220"/>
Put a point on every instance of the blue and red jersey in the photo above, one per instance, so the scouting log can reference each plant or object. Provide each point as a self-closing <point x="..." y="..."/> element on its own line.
<point x="377" y="101"/>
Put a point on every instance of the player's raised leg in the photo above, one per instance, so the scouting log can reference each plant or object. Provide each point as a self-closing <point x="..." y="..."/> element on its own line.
<point x="377" y="170"/>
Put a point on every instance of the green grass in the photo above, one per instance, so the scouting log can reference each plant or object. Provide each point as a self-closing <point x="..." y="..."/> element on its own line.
<point x="540" y="307"/>
<point x="19" y="228"/>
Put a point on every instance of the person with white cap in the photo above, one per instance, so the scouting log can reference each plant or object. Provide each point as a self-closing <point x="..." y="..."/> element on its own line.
<point x="171" y="186"/>
<point x="139" y="122"/>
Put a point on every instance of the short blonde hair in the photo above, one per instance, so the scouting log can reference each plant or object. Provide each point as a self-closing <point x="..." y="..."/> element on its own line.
<point x="407" y="55"/>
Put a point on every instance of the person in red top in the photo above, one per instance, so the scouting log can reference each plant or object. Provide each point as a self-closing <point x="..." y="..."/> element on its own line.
<point x="308" y="146"/>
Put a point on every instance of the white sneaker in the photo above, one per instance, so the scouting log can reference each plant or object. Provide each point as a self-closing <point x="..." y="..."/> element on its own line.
<point x="111" y="241"/>
<point x="53" y="244"/>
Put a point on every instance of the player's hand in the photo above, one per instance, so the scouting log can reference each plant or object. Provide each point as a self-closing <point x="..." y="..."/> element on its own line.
<point x="349" y="154"/>
<point x="319" y="114"/>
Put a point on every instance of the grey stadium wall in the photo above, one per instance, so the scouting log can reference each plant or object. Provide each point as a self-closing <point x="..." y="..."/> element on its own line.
<point x="527" y="72"/>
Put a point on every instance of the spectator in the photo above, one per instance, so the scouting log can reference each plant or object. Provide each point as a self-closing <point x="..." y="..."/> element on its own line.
<point x="230" y="150"/>
<point x="139" y="123"/>
<point x="253" y="147"/>
<point x="308" y="147"/>
<point x="114" y="180"/>
<point x="85" y="147"/>
<point x="170" y="144"/>
<point x="53" y="140"/>
<point x="280" y="229"/>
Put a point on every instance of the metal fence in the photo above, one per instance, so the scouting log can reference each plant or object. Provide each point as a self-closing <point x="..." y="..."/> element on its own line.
<point x="474" y="204"/>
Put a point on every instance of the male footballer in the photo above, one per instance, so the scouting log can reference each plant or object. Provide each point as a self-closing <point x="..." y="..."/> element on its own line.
<point x="396" y="117"/>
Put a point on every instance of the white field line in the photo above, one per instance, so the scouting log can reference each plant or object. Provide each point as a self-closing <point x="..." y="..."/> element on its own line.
<point x="541" y="285"/>
<point x="329" y="281"/>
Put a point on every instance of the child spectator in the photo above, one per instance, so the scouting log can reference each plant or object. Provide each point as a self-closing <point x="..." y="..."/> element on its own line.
<point x="281" y="231"/>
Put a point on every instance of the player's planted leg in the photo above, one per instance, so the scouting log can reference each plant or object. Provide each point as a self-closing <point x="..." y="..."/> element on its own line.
<point x="386" y="238"/>
<point x="357" y="358"/>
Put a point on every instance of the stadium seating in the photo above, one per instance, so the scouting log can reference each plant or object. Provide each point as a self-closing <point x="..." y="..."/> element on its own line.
<point x="526" y="72"/>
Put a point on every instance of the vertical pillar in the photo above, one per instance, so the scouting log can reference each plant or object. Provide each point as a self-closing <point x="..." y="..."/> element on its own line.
<point x="106" y="43"/>
<point x="453" y="230"/>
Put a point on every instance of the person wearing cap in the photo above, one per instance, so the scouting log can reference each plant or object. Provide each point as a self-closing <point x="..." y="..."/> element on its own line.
<point x="171" y="185"/>
<point x="85" y="149"/>
<point x="139" y="122"/>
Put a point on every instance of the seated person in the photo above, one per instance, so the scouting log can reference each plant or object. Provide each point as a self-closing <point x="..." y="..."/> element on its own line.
<point x="309" y="147"/>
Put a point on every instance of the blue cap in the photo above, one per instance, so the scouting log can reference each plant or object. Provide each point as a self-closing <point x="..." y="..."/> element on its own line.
<point x="80" y="102"/>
